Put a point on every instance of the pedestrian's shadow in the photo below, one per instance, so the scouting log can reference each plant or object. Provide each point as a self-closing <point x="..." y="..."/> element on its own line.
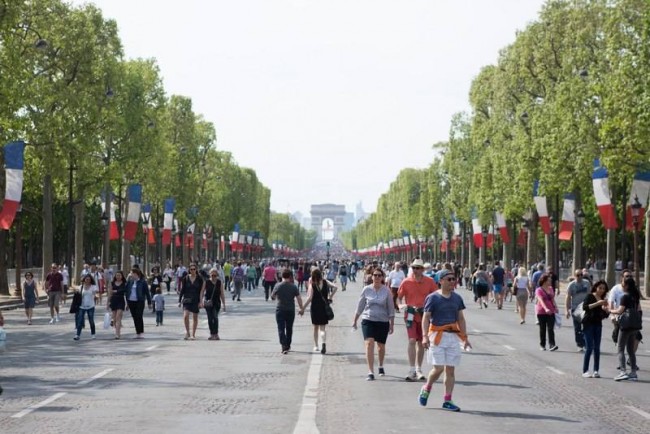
<point x="482" y="383"/>
<point x="501" y="414"/>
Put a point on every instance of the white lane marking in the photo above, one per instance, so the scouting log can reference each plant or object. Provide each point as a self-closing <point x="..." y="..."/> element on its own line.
<point x="94" y="377"/>
<point x="151" y="348"/>
<point x="307" y="418"/>
<point x="508" y="347"/>
<point x="477" y="331"/>
<point x="557" y="371"/>
<point x="39" y="405"/>
<point x="639" y="412"/>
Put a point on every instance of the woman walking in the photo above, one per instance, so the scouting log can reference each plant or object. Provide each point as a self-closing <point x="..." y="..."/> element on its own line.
<point x="595" y="308"/>
<point x="627" y="336"/>
<point x="483" y="285"/>
<point x="137" y="291"/>
<point x="377" y="311"/>
<point x="213" y="302"/>
<point x="30" y="296"/>
<point x="191" y="298"/>
<point x="88" y="292"/>
<point x="117" y="301"/>
<point x="522" y="293"/>
<point x="320" y="294"/>
<point x="546" y="310"/>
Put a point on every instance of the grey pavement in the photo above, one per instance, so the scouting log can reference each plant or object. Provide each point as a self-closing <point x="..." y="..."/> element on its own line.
<point x="243" y="384"/>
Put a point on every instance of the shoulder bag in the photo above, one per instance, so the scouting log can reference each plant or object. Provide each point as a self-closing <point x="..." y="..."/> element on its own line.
<point x="210" y="303"/>
<point x="328" y="309"/>
<point x="631" y="319"/>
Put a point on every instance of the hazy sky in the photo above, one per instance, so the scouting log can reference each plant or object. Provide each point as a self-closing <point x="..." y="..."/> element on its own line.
<point x="327" y="100"/>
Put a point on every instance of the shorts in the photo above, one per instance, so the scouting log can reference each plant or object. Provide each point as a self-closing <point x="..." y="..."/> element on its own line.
<point x="447" y="353"/>
<point x="415" y="331"/>
<point x="497" y="287"/>
<point x="482" y="289"/>
<point x="53" y="298"/>
<point x="377" y="330"/>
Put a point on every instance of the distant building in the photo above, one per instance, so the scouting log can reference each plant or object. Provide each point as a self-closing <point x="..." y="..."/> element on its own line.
<point x="327" y="220"/>
<point x="359" y="214"/>
<point x="349" y="221"/>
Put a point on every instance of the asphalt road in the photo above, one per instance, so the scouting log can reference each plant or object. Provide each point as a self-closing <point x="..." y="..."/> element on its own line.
<point x="243" y="384"/>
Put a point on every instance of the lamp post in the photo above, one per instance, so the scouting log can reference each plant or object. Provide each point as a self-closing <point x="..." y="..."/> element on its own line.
<point x="482" y="253"/>
<point x="580" y="219"/>
<point x="145" y="223"/>
<point x="555" y="242"/>
<point x="68" y="253"/>
<point x="636" y="210"/>
<point x="104" y="218"/>
<point x="525" y="225"/>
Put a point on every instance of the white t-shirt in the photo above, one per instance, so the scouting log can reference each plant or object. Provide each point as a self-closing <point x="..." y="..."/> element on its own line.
<point x="395" y="278"/>
<point x="88" y="296"/>
<point x="522" y="282"/>
<point x="615" y="295"/>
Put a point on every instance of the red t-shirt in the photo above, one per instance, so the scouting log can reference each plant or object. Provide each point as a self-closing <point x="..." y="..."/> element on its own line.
<point x="415" y="292"/>
<point x="54" y="281"/>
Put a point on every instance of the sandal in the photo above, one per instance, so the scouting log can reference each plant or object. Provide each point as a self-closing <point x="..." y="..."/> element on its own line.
<point x="186" y="337"/>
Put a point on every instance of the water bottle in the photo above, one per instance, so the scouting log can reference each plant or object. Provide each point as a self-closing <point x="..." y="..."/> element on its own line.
<point x="409" y="318"/>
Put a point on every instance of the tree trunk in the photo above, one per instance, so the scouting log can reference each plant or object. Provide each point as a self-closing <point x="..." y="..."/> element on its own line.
<point x="78" y="240"/>
<point x="48" y="231"/>
<point x="610" y="271"/>
<point x="126" y="245"/>
<point x="19" y="252"/>
<point x="4" y="283"/>
<point x="531" y="255"/>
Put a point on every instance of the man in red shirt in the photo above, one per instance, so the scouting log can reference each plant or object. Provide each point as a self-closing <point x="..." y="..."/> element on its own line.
<point x="54" y="289"/>
<point x="414" y="291"/>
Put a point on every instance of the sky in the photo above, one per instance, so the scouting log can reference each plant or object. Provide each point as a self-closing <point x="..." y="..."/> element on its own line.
<point x="327" y="100"/>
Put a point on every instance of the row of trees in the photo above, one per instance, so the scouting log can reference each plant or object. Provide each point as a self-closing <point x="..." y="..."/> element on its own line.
<point x="94" y="121"/>
<point x="572" y="87"/>
<point x="288" y="232"/>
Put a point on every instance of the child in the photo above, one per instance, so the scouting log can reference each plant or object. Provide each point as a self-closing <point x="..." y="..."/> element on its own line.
<point x="159" y="306"/>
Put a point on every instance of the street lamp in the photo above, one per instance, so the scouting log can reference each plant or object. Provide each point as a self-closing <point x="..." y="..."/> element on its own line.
<point x="525" y="225"/>
<point x="555" y="242"/>
<point x="580" y="219"/>
<point x="145" y="223"/>
<point x="104" y="218"/>
<point x="483" y="253"/>
<point x="636" y="210"/>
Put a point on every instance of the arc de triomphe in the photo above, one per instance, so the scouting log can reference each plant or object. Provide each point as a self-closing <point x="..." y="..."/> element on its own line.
<point x="327" y="220"/>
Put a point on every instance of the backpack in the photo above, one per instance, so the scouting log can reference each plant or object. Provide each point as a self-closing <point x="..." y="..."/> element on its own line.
<point x="238" y="274"/>
<point x="343" y="271"/>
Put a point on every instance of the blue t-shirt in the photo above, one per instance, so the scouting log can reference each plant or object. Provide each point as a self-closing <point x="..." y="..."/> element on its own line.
<point x="536" y="275"/>
<point x="497" y="275"/>
<point x="443" y="310"/>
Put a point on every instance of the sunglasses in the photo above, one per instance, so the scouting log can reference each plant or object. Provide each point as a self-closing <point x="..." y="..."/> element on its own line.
<point x="377" y="275"/>
<point x="450" y="279"/>
<point x="418" y="268"/>
<point x="192" y="269"/>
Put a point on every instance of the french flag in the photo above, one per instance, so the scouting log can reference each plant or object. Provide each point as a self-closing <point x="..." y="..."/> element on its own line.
<point x="134" y="195"/>
<point x="168" y="221"/>
<point x="542" y="210"/>
<point x="476" y="231"/>
<point x="641" y="191"/>
<point x="113" y="233"/>
<point x="503" y="228"/>
<point x="14" y="164"/>
<point x="148" y="228"/>
<point x="603" y="199"/>
<point x="568" y="217"/>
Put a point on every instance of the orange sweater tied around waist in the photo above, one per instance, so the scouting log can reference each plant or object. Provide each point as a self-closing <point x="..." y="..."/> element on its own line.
<point x="450" y="328"/>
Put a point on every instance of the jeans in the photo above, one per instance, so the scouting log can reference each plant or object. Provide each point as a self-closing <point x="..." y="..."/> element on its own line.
<point x="592" y="336"/>
<point x="578" y="334"/>
<point x="546" y="324"/>
<point x="251" y="283"/>
<point x="285" y="318"/>
<point x="237" y="292"/>
<point x="626" y="340"/>
<point x="159" y="317"/>
<point x="91" y="320"/>
<point x="213" y="319"/>
<point x="268" y="288"/>
<point x="137" y="310"/>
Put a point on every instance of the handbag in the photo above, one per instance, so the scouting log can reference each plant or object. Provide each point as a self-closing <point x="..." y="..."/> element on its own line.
<point x="107" y="321"/>
<point x="329" y="312"/>
<point x="630" y="319"/>
<point x="579" y="313"/>
<point x="210" y="303"/>
<point x="558" y="320"/>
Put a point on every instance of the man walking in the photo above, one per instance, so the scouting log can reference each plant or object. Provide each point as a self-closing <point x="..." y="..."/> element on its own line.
<point x="394" y="281"/>
<point x="237" y="281"/>
<point x="576" y="293"/>
<point x="414" y="290"/>
<point x="285" y="313"/>
<point x="443" y="324"/>
<point x="498" y="275"/>
<point x="54" y="289"/>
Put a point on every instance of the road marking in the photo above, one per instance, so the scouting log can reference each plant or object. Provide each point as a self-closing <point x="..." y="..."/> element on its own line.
<point x="477" y="331"/>
<point x="94" y="377"/>
<point x="508" y="347"/>
<point x="151" y="348"/>
<point x="39" y="405"/>
<point x="307" y="417"/>
<point x="639" y="412"/>
<point x="557" y="371"/>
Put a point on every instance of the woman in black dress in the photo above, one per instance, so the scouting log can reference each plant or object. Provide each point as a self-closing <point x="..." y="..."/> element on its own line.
<point x="320" y="294"/>
<point x="30" y="296"/>
<point x="213" y="302"/>
<point x="117" y="301"/>
<point x="191" y="298"/>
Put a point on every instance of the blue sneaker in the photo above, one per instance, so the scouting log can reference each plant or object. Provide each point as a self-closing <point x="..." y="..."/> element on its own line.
<point x="449" y="405"/>
<point x="424" y="396"/>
